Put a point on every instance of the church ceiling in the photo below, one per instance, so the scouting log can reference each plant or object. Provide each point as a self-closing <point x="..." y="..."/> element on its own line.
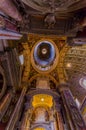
<point x="70" y="68"/>
<point x="29" y="71"/>
<point x="57" y="21"/>
<point x="43" y="67"/>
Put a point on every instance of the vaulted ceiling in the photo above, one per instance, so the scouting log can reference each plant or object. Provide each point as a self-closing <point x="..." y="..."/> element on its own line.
<point x="70" y="66"/>
<point x="61" y="22"/>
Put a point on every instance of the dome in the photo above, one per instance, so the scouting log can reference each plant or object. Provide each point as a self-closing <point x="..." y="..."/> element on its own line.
<point x="44" y="56"/>
<point x="44" y="53"/>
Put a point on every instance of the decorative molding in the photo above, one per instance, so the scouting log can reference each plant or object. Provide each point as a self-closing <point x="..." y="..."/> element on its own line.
<point x="26" y="53"/>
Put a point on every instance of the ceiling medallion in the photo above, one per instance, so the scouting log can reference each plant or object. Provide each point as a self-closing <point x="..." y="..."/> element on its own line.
<point x="44" y="56"/>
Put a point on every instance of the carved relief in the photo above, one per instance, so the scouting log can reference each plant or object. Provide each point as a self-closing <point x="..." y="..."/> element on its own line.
<point x="50" y="20"/>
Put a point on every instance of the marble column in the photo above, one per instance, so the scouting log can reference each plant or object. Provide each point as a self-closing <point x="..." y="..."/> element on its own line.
<point x="3" y="82"/>
<point x="59" y="121"/>
<point x="17" y="111"/>
<point x="25" y="123"/>
<point x="4" y="104"/>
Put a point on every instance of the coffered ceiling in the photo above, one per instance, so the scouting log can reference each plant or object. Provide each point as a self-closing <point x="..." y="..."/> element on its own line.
<point x="75" y="69"/>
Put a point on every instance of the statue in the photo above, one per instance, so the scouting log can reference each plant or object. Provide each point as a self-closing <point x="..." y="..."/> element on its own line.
<point x="50" y="20"/>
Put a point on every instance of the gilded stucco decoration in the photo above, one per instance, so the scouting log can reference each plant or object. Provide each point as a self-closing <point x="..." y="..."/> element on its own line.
<point x="42" y="100"/>
<point x="30" y="71"/>
<point x="26" y="53"/>
<point x="60" y="67"/>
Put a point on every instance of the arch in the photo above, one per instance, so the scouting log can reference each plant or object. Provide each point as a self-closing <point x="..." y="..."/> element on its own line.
<point x="43" y="75"/>
<point x="30" y="94"/>
<point x="45" y="126"/>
